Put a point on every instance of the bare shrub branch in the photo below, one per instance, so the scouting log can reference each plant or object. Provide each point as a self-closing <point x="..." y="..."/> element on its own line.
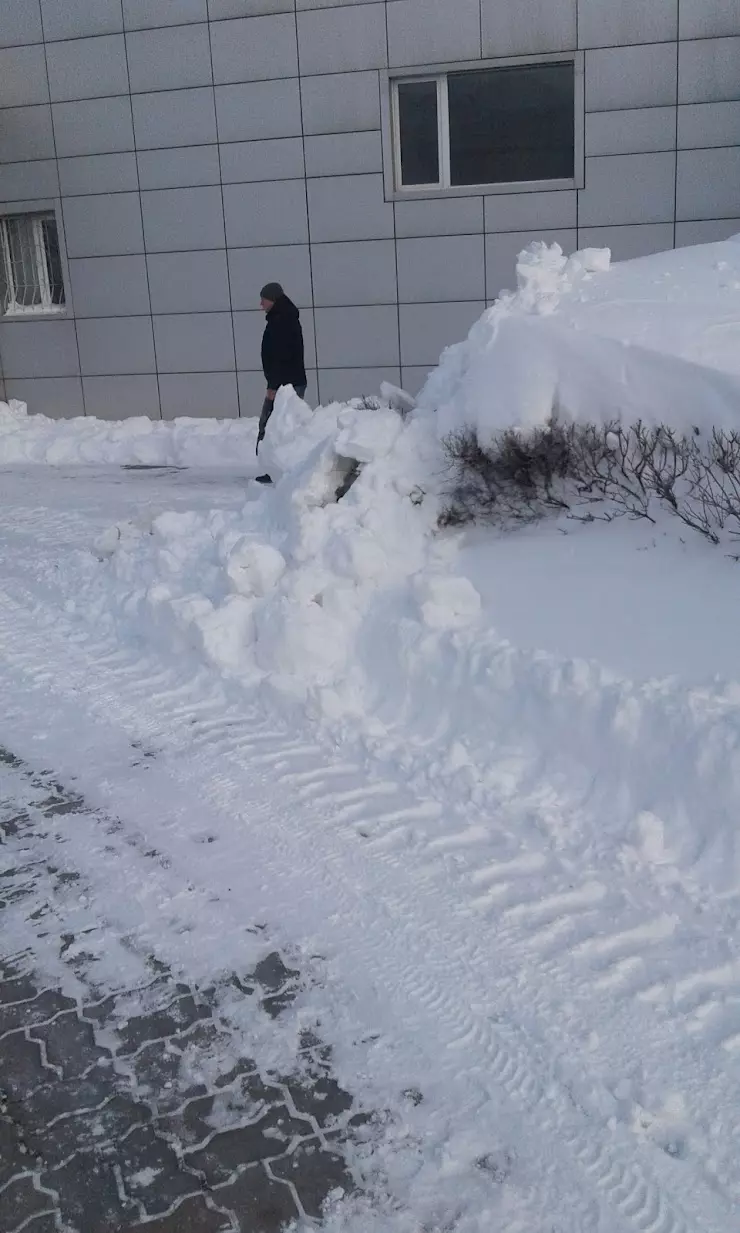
<point x="595" y="473"/>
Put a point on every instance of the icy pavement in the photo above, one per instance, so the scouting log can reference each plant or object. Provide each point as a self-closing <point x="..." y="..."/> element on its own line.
<point x="550" y="1032"/>
<point x="138" y="1108"/>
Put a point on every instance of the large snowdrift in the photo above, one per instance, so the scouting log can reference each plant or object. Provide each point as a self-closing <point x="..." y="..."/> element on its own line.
<point x="360" y="611"/>
<point x="564" y="705"/>
<point x="139" y="441"/>
<point x="656" y="339"/>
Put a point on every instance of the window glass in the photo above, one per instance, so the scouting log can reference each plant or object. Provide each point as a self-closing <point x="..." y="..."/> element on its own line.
<point x="53" y="260"/>
<point x="31" y="277"/>
<point x="418" y="125"/>
<point x="512" y="124"/>
<point x="24" y="276"/>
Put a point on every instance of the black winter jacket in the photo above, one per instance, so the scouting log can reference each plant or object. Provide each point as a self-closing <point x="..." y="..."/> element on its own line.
<point x="282" y="346"/>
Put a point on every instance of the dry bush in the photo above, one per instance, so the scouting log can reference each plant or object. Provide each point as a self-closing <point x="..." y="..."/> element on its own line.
<point x="591" y="472"/>
<point x="516" y="479"/>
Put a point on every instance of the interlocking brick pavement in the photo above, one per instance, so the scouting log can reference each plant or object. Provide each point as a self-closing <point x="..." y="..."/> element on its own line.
<point x="102" y="1128"/>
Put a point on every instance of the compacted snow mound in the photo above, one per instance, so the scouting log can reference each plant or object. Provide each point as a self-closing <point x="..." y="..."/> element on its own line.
<point x="656" y="339"/>
<point x="139" y="441"/>
<point x="290" y="581"/>
<point x="335" y="588"/>
<point x="360" y="612"/>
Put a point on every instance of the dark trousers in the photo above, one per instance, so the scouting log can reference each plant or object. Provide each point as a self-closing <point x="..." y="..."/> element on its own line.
<point x="267" y="409"/>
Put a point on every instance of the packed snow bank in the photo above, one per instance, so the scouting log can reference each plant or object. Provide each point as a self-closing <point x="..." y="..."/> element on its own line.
<point x="646" y="601"/>
<point x="361" y="612"/>
<point x="139" y="441"/>
<point x="656" y="339"/>
<point x="281" y="590"/>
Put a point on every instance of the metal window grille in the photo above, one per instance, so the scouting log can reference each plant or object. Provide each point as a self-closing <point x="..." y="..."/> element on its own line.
<point x="30" y="265"/>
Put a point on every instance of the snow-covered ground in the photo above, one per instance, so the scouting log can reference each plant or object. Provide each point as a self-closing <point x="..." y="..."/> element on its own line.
<point x="485" y="784"/>
<point x="131" y="442"/>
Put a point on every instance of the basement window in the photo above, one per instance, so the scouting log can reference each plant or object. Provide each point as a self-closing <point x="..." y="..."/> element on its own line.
<point x="31" y="278"/>
<point x="505" y="126"/>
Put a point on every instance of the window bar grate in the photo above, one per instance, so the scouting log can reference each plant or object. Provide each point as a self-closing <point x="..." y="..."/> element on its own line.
<point x="32" y="269"/>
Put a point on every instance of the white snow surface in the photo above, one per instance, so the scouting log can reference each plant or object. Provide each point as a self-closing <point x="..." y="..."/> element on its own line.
<point x="492" y="780"/>
<point x="130" y="442"/>
<point x="656" y="339"/>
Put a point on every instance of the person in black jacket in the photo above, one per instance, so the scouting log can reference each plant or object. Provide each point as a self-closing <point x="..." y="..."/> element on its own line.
<point x="282" y="352"/>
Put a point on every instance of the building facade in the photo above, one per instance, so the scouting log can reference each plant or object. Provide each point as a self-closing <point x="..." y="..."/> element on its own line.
<point x="384" y="159"/>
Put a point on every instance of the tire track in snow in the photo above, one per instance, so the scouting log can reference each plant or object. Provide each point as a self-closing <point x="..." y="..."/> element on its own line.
<point x="562" y="934"/>
<point x="448" y="991"/>
<point x="554" y="936"/>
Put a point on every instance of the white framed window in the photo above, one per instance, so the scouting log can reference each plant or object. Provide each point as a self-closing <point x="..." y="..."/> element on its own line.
<point x="494" y="126"/>
<point x="31" y="278"/>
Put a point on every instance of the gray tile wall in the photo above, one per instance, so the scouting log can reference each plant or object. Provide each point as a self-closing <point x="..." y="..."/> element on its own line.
<point x="195" y="149"/>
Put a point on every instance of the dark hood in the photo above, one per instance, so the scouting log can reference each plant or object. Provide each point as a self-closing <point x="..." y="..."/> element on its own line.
<point x="283" y="310"/>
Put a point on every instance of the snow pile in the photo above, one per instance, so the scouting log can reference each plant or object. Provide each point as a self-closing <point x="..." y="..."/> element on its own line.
<point x="138" y="441"/>
<point x="656" y="339"/>
<point x="359" y="610"/>
<point x="548" y="909"/>
<point x="282" y="590"/>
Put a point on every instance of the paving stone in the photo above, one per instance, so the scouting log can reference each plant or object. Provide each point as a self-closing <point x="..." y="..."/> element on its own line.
<point x="230" y="1150"/>
<point x="13" y="825"/>
<point x="243" y="1067"/>
<point x="322" y="1100"/>
<point x="272" y="974"/>
<point x="87" y="1131"/>
<point x="203" y="1035"/>
<point x="50" y="1100"/>
<point x="10" y="759"/>
<point x="135" y="1139"/>
<point x="70" y="1044"/>
<point x="15" y="1013"/>
<point x="183" y="1013"/>
<point x="42" y="1224"/>
<point x="100" y="1012"/>
<point x="157" y="1066"/>
<point x="260" y="1204"/>
<point x="188" y="1124"/>
<point x="316" y="1051"/>
<point x="88" y="1194"/>
<point x="15" y="968"/>
<point x="13" y="1159"/>
<point x="151" y="1171"/>
<point x="315" y="1173"/>
<point x="21" y="1067"/>
<point x="67" y="877"/>
<point x="19" y="1201"/>
<point x="276" y="1003"/>
<point x="230" y="1113"/>
<point x="14" y="988"/>
<point x="59" y="805"/>
<point x="192" y="1216"/>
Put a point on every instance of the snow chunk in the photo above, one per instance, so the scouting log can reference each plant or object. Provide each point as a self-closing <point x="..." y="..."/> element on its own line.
<point x="254" y="568"/>
<point x="448" y="602"/>
<point x="656" y="339"/>
<point x="365" y="435"/>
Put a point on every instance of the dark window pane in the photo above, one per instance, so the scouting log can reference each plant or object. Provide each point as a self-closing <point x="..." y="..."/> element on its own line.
<point x="53" y="260"/>
<point x="512" y="124"/>
<point x="417" y="118"/>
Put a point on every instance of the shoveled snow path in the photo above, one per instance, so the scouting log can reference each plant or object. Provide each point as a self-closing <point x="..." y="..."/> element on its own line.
<point x="351" y="866"/>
